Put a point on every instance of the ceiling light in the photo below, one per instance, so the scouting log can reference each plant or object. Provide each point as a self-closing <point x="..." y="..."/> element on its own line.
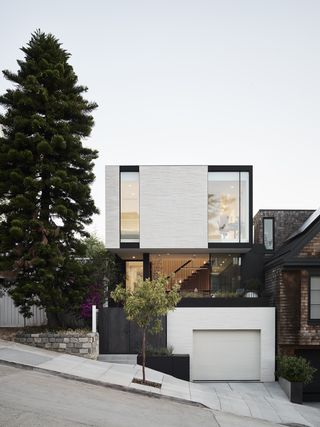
<point x="133" y="257"/>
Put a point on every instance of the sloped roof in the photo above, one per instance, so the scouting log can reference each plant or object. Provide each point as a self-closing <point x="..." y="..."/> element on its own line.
<point x="288" y="252"/>
<point x="305" y="225"/>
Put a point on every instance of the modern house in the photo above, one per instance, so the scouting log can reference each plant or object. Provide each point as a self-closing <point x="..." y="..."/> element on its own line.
<point x="292" y="278"/>
<point x="194" y="224"/>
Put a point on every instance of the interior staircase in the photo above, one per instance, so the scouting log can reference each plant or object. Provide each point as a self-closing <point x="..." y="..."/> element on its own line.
<point x="198" y="279"/>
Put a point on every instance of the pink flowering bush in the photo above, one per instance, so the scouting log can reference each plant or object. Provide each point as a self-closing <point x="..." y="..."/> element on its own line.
<point x="94" y="297"/>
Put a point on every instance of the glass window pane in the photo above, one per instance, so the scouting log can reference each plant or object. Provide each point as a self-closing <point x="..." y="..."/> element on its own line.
<point x="315" y="283"/>
<point x="244" y="208"/>
<point x="190" y="271"/>
<point x="134" y="271"/>
<point x="223" y="206"/>
<point x="315" y="312"/>
<point x="225" y="275"/>
<point x="315" y="297"/>
<point x="129" y="206"/>
<point x="268" y="233"/>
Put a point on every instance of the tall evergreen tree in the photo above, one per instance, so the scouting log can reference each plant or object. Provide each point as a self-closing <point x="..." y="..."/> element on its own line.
<point x="45" y="177"/>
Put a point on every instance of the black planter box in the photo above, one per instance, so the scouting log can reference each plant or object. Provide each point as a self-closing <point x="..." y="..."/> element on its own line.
<point x="223" y="302"/>
<point x="177" y="365"/>
<point x="294" y="390"/>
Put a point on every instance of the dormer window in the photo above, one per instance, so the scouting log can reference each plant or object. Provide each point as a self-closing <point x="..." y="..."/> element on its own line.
<point x="268" y="233"/>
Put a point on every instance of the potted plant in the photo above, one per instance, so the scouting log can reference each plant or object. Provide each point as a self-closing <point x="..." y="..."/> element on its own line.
<point x="293" y="372"/>
<point x="253" y="288"/>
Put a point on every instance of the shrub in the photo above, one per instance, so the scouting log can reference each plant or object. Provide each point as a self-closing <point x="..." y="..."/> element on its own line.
<point x="295" y="369"/>
<point x="162" y="351"/>
<point x="225" y="294"/>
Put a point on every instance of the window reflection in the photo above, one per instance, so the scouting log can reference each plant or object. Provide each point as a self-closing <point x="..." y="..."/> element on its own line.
<point x="268" y="233"/>
<point x="244" y="207"/>
<point x="223" y="206"/>
<point x="201" y="275"/>
<point x="129" y="206"/>
<point x="134" y="272"/>
<point x="228" y="207"/>
<point x="225" y="274"/>
<point x="315" y="298"/>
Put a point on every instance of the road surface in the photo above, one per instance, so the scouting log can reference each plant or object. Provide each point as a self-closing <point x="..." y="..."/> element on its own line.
<point x="30" y="398"/>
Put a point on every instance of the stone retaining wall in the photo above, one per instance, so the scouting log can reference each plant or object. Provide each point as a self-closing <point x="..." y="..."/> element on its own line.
<point x="77" y="344"/>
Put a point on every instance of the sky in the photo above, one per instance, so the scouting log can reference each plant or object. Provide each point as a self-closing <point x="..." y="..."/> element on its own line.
<point x="192" y="82"/>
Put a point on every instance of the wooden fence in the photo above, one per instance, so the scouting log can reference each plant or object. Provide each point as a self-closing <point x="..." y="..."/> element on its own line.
<point x="10" y="316"/>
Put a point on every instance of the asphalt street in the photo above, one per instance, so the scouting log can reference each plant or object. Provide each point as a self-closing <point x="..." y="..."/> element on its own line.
<point x="30" y="398"/>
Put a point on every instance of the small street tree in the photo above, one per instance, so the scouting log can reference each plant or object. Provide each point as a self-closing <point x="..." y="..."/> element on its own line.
<point x="45" y="177"/>
<point x="146" y="304"/>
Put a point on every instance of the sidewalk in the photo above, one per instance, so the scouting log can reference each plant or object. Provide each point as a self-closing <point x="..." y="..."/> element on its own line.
<point x="264" y="401"/>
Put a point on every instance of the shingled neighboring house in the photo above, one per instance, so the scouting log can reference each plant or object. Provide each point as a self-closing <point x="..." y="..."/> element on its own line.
<point x="292" y="277"/>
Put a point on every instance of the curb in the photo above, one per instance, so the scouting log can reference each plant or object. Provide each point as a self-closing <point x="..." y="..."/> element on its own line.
<point x="104" y="384"/>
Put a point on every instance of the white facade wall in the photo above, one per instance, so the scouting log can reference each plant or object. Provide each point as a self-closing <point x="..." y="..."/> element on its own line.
<point x="183" y="321"/>
<point x="173" y="207"/>
<point x="10" y="316"/>
<point x="112" y="195"/>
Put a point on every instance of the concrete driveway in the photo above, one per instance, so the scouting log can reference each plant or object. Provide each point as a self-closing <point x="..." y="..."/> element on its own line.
<point x="264" y="401"/>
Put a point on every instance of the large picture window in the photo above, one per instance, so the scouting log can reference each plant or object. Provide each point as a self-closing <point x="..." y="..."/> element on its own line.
<point x="228" y="207"/>
<point x="315" y="298"/>
<point x="130" y="207"/>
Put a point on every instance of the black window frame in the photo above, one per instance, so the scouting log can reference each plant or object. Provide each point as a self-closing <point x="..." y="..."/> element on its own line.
<point x="273" y="233"/>
<point x="312" y="321"/>
<point x="236" y="168"/>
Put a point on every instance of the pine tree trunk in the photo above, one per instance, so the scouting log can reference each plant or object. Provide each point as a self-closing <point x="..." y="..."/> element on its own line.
<point x="45" y="200"/>
<point x="143" y="356"/>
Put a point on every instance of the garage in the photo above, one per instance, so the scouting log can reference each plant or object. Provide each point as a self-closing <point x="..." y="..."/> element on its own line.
<point x="226" y="355"/>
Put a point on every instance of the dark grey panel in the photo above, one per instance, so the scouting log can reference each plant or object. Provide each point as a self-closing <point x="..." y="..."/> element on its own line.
<point x="120" y="336"/>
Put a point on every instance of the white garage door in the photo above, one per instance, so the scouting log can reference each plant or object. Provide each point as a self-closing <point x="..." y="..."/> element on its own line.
<point x="226" y="355"/>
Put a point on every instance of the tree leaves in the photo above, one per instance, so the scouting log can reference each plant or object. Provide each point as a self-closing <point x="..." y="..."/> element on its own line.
<point x="45" y="177"/>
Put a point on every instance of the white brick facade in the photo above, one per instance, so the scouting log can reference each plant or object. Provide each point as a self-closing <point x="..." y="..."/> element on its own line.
<point x="173" y="207"/>
<point x="112" y="207"/>
<point x="183" y="321"/>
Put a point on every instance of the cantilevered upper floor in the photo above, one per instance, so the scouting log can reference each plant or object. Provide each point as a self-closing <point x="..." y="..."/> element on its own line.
<point x="179" y="207"/>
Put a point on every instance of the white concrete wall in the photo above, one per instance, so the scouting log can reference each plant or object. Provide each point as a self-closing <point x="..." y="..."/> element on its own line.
<point x="183" y="321"/>
<point x="173" y="207"/>
<point x="112" y="195"/>
<point x="10" y="316"/>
